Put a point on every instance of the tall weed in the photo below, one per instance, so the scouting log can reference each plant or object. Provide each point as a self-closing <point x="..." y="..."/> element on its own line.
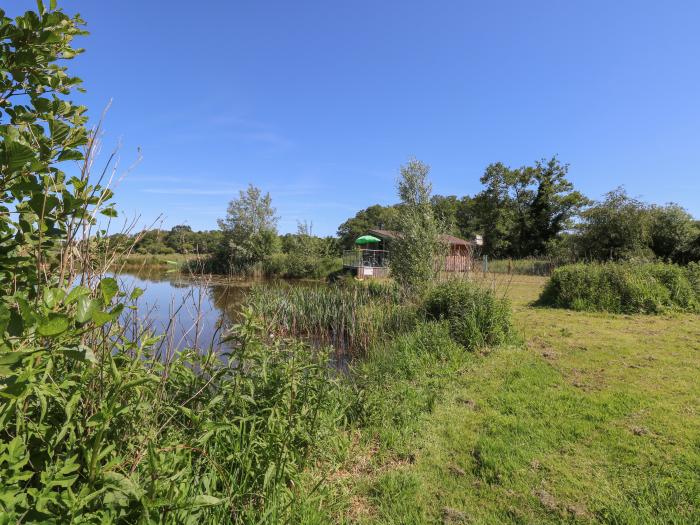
<point x="624" y="287"/>
<point x="477" y="318"/>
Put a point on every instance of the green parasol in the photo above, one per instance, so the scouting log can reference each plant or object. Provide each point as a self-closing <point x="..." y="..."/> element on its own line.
<point x="366" y="239"/>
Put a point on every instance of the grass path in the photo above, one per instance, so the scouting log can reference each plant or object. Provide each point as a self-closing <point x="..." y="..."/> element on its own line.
<point x="594" y="419"/>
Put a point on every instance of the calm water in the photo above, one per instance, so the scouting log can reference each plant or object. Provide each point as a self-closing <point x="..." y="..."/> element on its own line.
<point x="189" y="312"/>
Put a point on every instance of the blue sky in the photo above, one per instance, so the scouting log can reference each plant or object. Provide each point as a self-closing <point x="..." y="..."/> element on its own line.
<point x="320" y="102"/>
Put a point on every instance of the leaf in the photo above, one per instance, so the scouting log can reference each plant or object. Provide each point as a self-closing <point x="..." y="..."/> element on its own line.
<point x="100" y="318"/>
<point x="53" y="325"/>
<point x="69" y="154"/>
<point x="82" y="353"/>
<point x="75" y="293"/>
<point x="86" y="309"/>
<point x="59" y="131"/>
<point x="136" y="293"/>
<point x="9" y="361"/>
<point x="4" y="318"/>
<point x="109" y="212"/>
<point x="205" y="500"/>
<point x="52" y="296"/>
<point x="109" y="289"/>
<point x="17" y="155"/>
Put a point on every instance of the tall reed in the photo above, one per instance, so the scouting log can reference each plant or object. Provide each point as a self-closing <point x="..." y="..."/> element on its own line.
<point x="351" y="318"/>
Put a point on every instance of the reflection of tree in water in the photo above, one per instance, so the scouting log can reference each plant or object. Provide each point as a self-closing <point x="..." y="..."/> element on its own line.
<point x="228" y="300"/>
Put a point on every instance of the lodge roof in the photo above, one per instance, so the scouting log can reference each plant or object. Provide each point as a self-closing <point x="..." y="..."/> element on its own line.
<point x="448" y="239"/>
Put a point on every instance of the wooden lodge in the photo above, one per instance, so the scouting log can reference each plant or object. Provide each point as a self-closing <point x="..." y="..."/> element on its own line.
<point x="372" y="255"/>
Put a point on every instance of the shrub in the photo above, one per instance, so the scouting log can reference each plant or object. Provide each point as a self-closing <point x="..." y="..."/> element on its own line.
<point x="623" y="288"/>
<point x="477" y="318"/>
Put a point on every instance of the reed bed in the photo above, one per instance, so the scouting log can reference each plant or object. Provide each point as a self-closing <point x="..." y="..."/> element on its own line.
<point x="351" y="318"/>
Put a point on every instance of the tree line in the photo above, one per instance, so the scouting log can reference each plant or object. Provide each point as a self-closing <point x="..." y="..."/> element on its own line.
<point x="530" y="211"/>
<point x="535" y="211"/>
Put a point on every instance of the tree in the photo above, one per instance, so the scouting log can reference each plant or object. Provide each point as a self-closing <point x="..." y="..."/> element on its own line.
<point x="413" y="253"/>
<point x="521" y="211"/>
<point x="619" y="227"/>
<point x="446" y="210"/>
<point x="554" y="204"/>
<point x="494" y="209"/>
<point x="250" y="232"/>
<point x="374" y="217"/>
<point x="673" y="232"/>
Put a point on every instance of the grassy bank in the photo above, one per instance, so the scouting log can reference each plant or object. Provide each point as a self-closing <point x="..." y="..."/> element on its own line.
<point x="138" y="260"/>
<point x="593" y="420"/>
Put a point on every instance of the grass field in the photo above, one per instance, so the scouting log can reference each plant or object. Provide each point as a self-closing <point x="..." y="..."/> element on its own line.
<point x="594" y="418"/>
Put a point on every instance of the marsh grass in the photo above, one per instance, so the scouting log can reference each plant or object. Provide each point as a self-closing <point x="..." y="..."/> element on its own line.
<point x="351" y="317"/>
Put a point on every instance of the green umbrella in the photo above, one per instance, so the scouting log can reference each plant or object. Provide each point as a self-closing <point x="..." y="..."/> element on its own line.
<point x="366" y="239"/>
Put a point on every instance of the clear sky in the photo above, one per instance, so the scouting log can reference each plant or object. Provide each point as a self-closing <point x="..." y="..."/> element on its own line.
<point x="319" y="102"/>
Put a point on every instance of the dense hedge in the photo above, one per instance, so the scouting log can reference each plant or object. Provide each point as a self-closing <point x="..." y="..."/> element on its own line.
<point x="477" y="318"/>
<point x="624" y="287"/>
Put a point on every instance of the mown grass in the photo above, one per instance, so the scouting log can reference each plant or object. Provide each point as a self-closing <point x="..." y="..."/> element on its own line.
<point x="593" y="420"/>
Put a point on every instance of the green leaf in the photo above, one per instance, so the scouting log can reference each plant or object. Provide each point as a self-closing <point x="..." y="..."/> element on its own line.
<point x="109" y="212"/>
<point x="99" y="317"/>
<point x="85" y="309"/>
<point x="52" y="296"/>
<point x="17" y="155"/>
<point x="59" y="131"/>
<point x="109" y="289"/>
<point x="75" y="293"/>
<point x="54" y="325"/>
<point x="136" y="293"/>
<point x="205" y="500"/>
<point x="5" y="317"/>
<point x="69" y="154"/>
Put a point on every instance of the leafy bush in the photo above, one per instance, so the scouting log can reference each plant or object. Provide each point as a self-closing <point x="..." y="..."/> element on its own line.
<point x="299" y="266"/>
<point x="97" y="427"/>
<point x="477" y="318"/>
<point x="623" y="288"/>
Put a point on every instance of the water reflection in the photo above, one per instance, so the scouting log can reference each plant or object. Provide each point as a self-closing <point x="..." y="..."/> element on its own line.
<point x="188" y="312"/>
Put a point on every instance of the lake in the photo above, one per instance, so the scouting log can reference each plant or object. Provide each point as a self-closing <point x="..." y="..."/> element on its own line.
<point x="189" y="312"/>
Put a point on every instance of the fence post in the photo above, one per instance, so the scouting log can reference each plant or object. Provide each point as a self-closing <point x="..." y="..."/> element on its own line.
<point x="486" y="263"/>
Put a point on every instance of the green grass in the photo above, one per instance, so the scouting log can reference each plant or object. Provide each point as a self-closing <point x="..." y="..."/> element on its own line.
<point x="593" y="420"/>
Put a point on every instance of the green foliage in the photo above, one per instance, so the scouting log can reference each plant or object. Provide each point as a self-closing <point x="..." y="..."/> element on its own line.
<point x="352" y="317"/>
<point x="374" y="217"/>
<point x="617" y="228"/>
<point x="522" y="210"/>
<point x="97" y="427"/>
<point x="623" y="288"/>
<point x="249" y="233"/>
<point x="673" y="232"/>
<point x="414" y="251"/>
<point x="40" y="130"/>
<point x="476" y="317"/>
<point x="297" y="265"/>
<point x="304" y="255"/>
